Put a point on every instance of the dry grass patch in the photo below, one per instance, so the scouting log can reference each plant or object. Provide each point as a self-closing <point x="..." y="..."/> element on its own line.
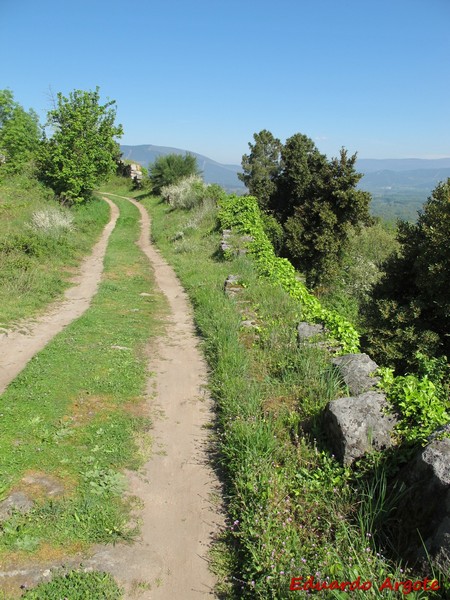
<point x="275" y="406"/>
<point x="87" y="407"/>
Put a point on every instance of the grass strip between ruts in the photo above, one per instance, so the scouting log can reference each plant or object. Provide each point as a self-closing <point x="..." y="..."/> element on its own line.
<point x="73" y="415"/>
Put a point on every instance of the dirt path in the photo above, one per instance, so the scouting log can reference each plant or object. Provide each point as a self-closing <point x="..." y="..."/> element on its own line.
<point x="18" y="346"/>
<point x="179" y="515"/>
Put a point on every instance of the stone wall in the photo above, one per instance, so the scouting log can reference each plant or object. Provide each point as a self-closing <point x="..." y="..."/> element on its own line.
<point x="362" y="422"/>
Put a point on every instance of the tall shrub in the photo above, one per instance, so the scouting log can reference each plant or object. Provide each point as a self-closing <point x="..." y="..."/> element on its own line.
<point x="82" y="150"/>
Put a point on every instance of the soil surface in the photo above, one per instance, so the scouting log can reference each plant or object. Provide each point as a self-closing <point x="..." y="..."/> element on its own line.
<point x="177" y="487"/>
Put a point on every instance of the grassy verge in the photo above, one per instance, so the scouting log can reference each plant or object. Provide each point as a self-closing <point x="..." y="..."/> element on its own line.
<point x="74" y="416"/>
<point x="41" y="243"/>
<point x="292" y="510"/>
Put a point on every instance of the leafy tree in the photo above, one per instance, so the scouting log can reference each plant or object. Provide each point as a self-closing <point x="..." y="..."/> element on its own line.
<point x="82" y="151"/>
<point x="261" y="167"/>
<point x="301" y="176"/>
<point x="315" y="200"/>
<point x="20" y="133"/>
<point x="318" y="203"/>
<point x="6" y="106"/>
<point x="409" y="310"/>
<point x="170" y="168"/>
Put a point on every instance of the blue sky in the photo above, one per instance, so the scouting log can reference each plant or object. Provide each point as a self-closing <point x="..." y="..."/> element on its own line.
<point x="370" y="75"/>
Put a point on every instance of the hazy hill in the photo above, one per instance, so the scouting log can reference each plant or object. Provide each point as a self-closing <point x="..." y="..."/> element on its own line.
<point x="369" y="165"/>
<point x="213" y="172"/>
<point x="399" y="186"/>
<point x="417" y="179"/>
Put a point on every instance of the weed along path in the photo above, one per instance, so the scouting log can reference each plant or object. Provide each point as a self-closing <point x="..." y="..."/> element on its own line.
<point x="177" y="485"/>
<point x="18" y="346"/>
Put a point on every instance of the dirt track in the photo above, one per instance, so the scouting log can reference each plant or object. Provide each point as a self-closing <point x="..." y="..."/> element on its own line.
<point x="19" y="345"/>
<point x="179" y="517"/>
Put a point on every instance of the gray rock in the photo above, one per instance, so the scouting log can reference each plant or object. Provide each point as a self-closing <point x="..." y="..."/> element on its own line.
<point x="232" y="279"/>
<point x="248" y="324"/>
<point x="231" y="286"/>
<point x="355" y="370"/>
<point x="438" y="546"/>
<point x="357" y="425"/>
<point x="17" y="501"/>
<point x="305" y="331"/>
<point x="440" y="433"/>
<point x="428" y="475"/>
<point x="434" y="461"/>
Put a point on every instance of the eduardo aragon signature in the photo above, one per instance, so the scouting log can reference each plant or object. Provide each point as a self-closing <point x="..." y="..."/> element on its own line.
<point x="406" y="587"/>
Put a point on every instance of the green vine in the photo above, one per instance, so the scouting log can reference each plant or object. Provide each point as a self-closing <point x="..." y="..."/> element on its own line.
<point x="421" y="401"/>
<point x="420" y="405"/>
<point x="242" y="214"/>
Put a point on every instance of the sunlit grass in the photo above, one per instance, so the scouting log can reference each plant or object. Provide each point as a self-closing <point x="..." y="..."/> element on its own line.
<point x="292" y="510"/>
<point x="41" y="244"/>
<point x="75" y="413"/>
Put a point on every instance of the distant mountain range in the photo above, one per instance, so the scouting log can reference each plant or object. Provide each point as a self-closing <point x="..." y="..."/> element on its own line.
<point x="369" y="165"/>
<point x="399" y="186"/>
<point x="402" y="173"/>
<point x="212" y="171"/>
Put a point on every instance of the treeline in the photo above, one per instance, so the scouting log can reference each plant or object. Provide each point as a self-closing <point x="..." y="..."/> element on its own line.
<point x="320" y="221"/>
<point x="72" y="153"/>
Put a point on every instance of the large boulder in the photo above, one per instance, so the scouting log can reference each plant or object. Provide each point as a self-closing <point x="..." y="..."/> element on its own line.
<point x="306" y="331"/>
<point x="358" y="425"/>
<point x="428" y="478"/>
<point x="356" y="371"/>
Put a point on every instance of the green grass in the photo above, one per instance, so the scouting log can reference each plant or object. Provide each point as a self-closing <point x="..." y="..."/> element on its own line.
<point x="38" y="258"/>
<point x="77" y="411"/>
<point x="291" y="509"/>
<point x="77" y="585"/>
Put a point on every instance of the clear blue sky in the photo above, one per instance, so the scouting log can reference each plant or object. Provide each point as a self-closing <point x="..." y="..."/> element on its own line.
<point x="370" y="75"/>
